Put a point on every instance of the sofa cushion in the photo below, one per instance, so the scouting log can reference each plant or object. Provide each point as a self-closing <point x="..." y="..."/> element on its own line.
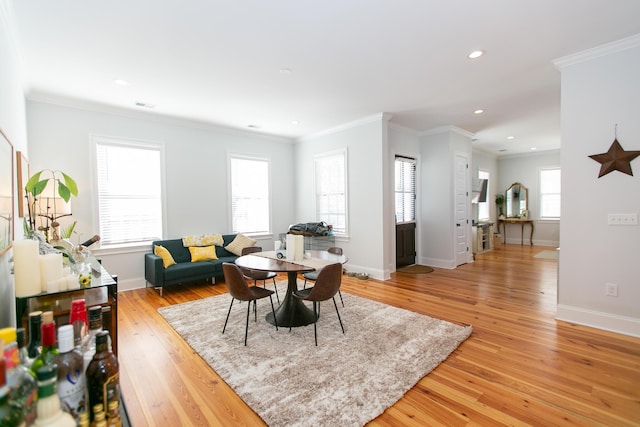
<point x="202" y="240"/>
<point x="162" y="252"/>
<point x="241" y="241"/>
<point x="204" y="253"/>
<point x="174" y="246"/>
<point x="186" y="270"/>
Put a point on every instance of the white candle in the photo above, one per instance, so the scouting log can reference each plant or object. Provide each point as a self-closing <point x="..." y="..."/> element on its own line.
<point x="72" y="282"/>
<point x="50" y="269"/>
<point x="26" y="267"/>
<point x="52" y="286"/>
<point x="291" y="247"/>
<point x="299" y="253"/>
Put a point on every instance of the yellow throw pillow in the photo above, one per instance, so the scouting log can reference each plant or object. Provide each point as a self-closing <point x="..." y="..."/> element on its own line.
<point x="162" y="252"/>
<point x="241" y="241"/>
<point x="203" y="253"/>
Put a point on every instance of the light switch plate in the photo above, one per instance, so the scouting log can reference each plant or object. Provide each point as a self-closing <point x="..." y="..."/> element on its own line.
<point x="623" y="219"/>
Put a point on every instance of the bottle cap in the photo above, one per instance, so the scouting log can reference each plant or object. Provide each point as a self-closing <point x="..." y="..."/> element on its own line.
<point x="47" y="317"/>
<point x="35" y="314"/>
<point x="8" y="335"/>
<point x="65" y="338"/>
<point x="95" y="312"/>
<point x="102" y="337"/>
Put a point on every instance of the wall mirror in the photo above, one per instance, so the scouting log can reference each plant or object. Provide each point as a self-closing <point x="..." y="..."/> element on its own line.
<point x="517" y="201"/>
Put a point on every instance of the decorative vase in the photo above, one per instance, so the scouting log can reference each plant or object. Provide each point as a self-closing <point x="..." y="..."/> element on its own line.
<point x="84" y="274"/>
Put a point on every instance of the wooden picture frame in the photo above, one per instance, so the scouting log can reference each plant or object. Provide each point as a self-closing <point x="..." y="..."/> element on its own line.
<point x="6" y="193"/>
<point x="22" y="173"/>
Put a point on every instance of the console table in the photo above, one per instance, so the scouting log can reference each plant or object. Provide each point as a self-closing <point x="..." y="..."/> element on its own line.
<point x="103" y="292"/>
<point x="522" y="222"/>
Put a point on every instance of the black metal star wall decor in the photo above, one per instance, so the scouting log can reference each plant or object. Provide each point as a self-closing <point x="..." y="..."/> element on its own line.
<point x="616" y="159"/>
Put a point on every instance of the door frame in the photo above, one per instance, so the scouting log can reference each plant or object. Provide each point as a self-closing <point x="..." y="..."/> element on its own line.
<point x="467" y="224"/>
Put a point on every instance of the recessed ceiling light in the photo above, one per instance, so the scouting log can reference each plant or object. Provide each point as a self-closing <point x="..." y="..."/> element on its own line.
<point x="478" y="112"/>
<point x="511" y="137"/>
<point x="475" y="54"/>
<point x="295" y="122"/>
<point x="534" y="148"/>
<point x="121" y="82"/>
<point x="286" y="70"/>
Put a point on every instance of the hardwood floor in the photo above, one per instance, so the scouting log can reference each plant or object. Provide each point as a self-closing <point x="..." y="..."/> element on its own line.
<point x="519" y="367"/>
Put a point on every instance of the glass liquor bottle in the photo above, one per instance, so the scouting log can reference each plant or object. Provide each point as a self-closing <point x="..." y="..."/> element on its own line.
<point x="49" y="412"/>
<point x="49" y="349"/>
<point x="113" y="414"/>
<point x="25" y="392"/>
<point x="95" y="326"/>
<point x="71" y="379"/>
<point x="35" y="344"/>
<point x="10" y="414"/>
<point x="103" y="380"/>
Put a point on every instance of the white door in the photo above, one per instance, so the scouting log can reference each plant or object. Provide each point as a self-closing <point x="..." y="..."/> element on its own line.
<point x="461" y="197"/>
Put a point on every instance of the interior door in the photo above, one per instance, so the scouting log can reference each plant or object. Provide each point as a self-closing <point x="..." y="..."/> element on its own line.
<point x="405" y="244"/>
<point x="461" y="209"/>
<point x="405" y="201"/>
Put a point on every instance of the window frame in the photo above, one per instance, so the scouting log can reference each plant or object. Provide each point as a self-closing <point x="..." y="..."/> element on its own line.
<point x="242" y="156"/>
<point x="541" y="196"/>
<point x="96" y="140"/>
<point x="415" y="190"/>
<point x="343" y="153"/>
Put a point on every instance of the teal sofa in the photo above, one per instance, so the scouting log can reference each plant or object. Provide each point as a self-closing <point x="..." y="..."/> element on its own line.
<point x="184" y="271"/>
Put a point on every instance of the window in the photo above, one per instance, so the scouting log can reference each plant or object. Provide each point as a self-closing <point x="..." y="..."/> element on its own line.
<point x="405" y="191"/>
<point x="550" y="193"/>
<point x="250" y="199"/>
<point x="331" y="190"/>
<point x="129" y="190"/>
<point x="483" y="207"/>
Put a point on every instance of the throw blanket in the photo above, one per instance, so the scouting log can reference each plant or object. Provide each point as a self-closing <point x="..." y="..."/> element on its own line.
<point x="202" y="240"/>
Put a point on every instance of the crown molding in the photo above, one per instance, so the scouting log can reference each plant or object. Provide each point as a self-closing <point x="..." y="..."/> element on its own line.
<point x="597" y="52"/>
<point x="149" y="116"/>
<point x="369" y="119"/>
<point x="444" y="129"/>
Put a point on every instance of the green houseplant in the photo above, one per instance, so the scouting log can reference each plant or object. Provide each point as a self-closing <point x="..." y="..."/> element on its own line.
<point x="500" y="204"/>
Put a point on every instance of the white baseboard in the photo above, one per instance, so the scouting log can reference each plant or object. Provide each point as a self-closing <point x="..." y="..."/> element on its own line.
<point x="439" y="263"/>
<point x="597" y="319"/>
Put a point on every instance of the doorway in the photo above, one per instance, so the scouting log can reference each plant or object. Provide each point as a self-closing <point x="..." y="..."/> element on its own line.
<point x="462" y="179"/>
<point x="405" y="208"/>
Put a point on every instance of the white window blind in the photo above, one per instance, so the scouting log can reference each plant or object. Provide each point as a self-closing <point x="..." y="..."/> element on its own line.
<point x="331" y="190"/>
<point x="483" y="207"/>
<point x="405" y="189"/>
<point x="129" y="191"/>
<point x="250" y="199"/>
<point x="550" y="193"/>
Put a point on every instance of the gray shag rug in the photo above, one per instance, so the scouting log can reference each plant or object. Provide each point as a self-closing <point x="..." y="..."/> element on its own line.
<point x="347" y="380"/>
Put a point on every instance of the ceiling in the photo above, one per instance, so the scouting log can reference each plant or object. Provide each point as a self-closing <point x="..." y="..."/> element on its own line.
<point x="260" y="65"/>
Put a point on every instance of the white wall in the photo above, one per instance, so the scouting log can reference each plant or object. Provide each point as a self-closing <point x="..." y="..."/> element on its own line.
<point x="599" y="90"/>
<point x="525" y="169"/>
<point x="437" y="152"/>
<point x="13" y="124"/>
<point x="196" y="172"/>
<point x="366" y="151"/>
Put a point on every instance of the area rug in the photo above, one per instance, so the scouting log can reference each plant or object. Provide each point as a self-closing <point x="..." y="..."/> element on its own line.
<point x="415" y="269"/>
<point x="547" y="255"/>
<point x="348" y="380"/>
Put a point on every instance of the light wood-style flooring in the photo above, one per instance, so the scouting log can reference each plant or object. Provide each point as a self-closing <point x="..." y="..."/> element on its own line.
<point x="519" y="367"/>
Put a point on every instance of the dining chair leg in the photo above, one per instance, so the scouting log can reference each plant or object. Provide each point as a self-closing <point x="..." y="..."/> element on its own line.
<point x="276" y="288"/>
<point x="246" y="327"/>
<point x="341" y="300"/>
<point x="315" y="332"/>
<point x="228" y="312"/>
<point x="338" y="313"/>
<point x="275" y="320"/>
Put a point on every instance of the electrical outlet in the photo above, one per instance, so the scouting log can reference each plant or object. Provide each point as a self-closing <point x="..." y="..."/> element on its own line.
<point x="623" y="219"/>
<point x="611" y="289"/>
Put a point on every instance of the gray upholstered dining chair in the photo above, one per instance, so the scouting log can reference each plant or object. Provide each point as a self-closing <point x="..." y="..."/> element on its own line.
<point x="312" y="276"/>
<point x="256" y="275"/>
<point x="326" y="287"/>
<point x="239" y="290"/>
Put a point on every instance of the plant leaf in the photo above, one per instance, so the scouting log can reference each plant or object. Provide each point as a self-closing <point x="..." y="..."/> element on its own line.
<point x="32" y="182"/>
<point x="39" y="187"/>
<point x="70" y="183"/>
<point x="63" y="191"/>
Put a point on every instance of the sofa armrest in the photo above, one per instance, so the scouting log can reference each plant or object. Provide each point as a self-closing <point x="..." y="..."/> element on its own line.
<point x="153" y="270"/>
